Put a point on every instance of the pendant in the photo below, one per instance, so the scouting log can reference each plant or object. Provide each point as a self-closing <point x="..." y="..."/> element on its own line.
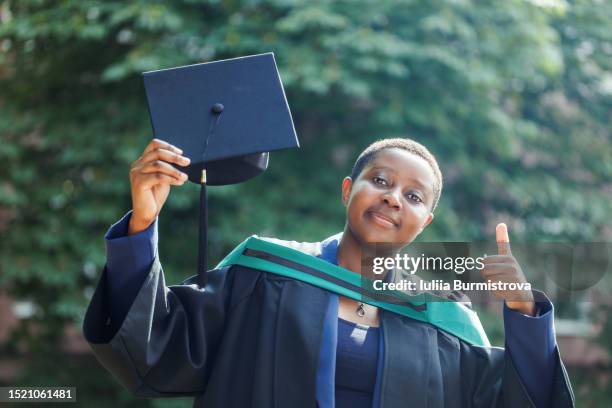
<point x="360" y="310"/>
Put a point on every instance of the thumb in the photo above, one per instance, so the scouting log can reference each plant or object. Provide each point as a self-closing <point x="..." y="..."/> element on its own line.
<point x="502" y="238"/>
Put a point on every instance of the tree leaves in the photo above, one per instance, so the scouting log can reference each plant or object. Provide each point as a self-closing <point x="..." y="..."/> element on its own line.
<point x="513" y="98"/>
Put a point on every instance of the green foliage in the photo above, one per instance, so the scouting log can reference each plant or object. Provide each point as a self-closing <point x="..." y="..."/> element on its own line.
<point x="513" y="97"/>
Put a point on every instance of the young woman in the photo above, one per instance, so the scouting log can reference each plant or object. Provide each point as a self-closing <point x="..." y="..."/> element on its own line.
<point x="252" y="338"/>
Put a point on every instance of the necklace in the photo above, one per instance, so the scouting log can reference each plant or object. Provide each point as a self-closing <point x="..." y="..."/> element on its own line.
<point x="360" y="310"/>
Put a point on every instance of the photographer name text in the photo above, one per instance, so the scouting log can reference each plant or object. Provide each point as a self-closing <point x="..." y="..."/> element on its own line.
<point x="440" y="285"/>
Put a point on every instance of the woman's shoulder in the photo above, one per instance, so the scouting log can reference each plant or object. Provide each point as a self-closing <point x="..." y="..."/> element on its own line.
<point x="310" y="248"/>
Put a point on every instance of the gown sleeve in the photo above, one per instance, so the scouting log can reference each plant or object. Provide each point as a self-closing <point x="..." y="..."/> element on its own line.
<point x="484" y="387"/>
<point x="491" y="379"/>
<point x="165" y="345"/>
<point x="530" y="342"/>
<point x="128" y="262"/>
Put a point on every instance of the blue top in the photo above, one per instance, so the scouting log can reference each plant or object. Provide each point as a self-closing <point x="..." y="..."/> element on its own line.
<point x="356" y="357"/>
<point x="530" y="341"/>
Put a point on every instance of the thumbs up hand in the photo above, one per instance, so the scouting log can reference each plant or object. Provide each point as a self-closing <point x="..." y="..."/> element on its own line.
<point x="503" y="267"/>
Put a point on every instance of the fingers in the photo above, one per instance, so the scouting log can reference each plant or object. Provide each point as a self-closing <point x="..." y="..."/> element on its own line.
<point x="497" y="259"/>
<point x="497" y="269"/>
<point x="164" y="155"/>
<point x="147" y="181"/>
<point x="159" y="166"/>
<point x="157" y="173"/>
<point x="154" y="164"/>
<point x="160" y="144"/>
<point x="502" y="238"/>
<point x="499" y="265"/>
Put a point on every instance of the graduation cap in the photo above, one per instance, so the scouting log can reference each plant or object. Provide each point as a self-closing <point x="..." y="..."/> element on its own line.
<point x="226" y="116"/>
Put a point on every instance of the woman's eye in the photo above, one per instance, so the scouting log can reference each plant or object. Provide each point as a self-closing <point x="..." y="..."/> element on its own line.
<point x="414" y="197"/>
<point x="379" y="180"/>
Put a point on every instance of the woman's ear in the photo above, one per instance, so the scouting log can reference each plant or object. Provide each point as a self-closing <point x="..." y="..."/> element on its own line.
<point x="347" y="185"/>
<point x="428" y="221"/>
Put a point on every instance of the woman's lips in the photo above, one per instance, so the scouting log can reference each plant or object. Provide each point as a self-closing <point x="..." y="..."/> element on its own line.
<point x="381" y="219"/>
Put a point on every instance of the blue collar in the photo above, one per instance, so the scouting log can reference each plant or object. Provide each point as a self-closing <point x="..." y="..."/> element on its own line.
<point x="329" y="252"/>
<point x="329" y="248"/>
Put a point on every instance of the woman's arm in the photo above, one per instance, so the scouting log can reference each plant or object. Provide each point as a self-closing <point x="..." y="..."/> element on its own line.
<point x="128" y="261"/>
<point x="156" y="340"/>
<point x="533" y="367"/>
<point x="489" y="378"/>
<point x="531" y="344"/>
<point x="163" y="346"/>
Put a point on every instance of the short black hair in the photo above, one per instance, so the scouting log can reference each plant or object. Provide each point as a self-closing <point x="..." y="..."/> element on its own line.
<point x="408" y="145"/>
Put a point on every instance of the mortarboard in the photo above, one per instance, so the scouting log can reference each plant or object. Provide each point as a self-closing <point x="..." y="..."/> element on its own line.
<point x="225" y="116"/>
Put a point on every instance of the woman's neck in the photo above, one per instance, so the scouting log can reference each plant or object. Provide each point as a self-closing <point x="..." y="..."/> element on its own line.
<point x="349" y="252"/>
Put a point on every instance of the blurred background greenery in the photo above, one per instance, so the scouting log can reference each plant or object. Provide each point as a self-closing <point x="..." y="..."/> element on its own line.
<point x="514" y="97"/>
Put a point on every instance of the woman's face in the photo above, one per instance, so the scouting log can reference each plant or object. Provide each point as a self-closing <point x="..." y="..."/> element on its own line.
<point x="391" y="199"/>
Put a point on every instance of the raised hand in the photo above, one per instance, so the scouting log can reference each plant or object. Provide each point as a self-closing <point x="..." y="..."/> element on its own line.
<point x="151" y="176"/>
<point x="503" y="267"/>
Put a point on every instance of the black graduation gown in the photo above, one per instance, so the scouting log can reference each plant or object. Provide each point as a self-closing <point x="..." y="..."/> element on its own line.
<point x="252" y="339"/>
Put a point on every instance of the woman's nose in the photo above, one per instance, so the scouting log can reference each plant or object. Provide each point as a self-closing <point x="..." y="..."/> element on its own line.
<point x="392" y="199"/>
